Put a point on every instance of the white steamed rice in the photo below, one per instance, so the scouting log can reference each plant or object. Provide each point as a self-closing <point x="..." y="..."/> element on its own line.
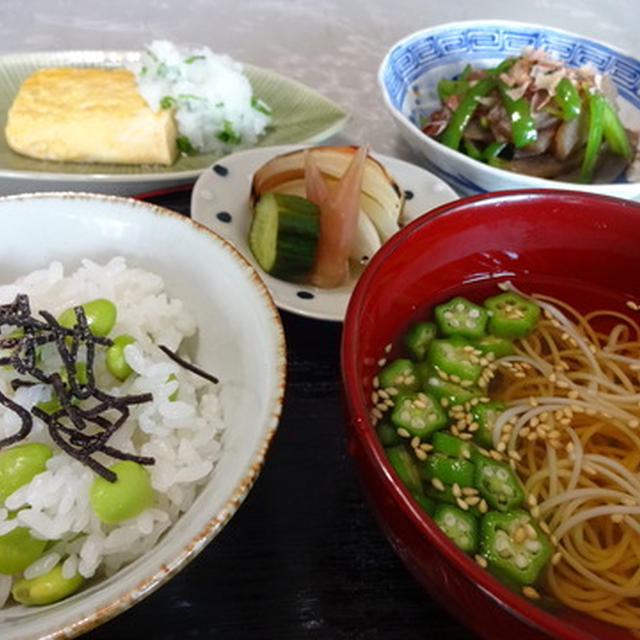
<point x="184" y="436"/>
<point x="215" y="108"/>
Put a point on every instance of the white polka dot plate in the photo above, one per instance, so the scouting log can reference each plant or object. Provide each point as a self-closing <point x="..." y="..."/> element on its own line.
<point x="220" y="201"/>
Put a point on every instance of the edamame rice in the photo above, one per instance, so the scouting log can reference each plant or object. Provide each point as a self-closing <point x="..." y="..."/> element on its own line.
<point x="93" y="526"/>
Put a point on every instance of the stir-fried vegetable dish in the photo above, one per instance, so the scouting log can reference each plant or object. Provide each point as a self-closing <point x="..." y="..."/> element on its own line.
<point x="532" y="114"/>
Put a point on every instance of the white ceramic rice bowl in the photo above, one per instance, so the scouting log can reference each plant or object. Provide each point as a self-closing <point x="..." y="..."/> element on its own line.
<point x="240" y="339"/>
<point x="413" y="66"/>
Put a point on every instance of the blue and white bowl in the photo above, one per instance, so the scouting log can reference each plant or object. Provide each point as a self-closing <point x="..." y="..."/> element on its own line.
<point x="413" y="66"/>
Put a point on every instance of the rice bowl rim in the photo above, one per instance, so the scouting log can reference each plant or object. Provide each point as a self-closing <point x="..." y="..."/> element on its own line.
<point x="214" y="524"/>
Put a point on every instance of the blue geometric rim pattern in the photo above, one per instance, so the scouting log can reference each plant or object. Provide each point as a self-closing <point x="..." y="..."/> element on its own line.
<point x="412" y="58"/>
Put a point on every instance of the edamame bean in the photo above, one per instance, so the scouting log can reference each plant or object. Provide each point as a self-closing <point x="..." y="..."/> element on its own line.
<point x="80" y="373"/>
<point x="100" y="313"/>
<point x="18" y="549"/>
<point x="47" y="588"/>
<point x="125" y="498"/>
<point x="174" y="396"/>
<point x="116" y="362"/>
<point x="20" y="464"/>
<point x="49" y="406"/>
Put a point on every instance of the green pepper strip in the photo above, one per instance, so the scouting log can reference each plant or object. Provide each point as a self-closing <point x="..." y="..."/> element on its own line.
<point x="568" y="99"/>
<point x="460" y="118"/>
<point x="614" y="132"/>
<point x="491" y="154"/>
<point x="471" y="149"/>
<point x="594" y="136"/>
<point x="457" y="86"/>
<point x="523" y="128"/>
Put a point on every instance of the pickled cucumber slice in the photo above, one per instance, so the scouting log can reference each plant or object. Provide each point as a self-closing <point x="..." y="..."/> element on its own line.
<point x="284" y="235"/>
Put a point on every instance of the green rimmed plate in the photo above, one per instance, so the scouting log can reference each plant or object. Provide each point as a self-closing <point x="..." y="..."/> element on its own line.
<point x="300" y="115"/>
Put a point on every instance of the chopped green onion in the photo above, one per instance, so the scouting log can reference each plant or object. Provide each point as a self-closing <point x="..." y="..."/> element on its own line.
<point x="260" y="106"/>
<point x="227" y="134"/>
<point x="167" y="102"/>
<point x="192" y="59"/>
<point x="184" y="144"/>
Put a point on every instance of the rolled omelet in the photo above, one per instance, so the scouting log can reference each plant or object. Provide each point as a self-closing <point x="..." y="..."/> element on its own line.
<point x="89" y="115"/>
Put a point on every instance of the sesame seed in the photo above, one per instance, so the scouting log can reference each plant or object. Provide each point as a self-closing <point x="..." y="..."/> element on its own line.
<point x="377" y="413"/>
<point x="556" y="558"/>
<point x="481" y="561"/>
<point x="382" y="362"/>
<point x="425" y="446"/>
<point x="415" y="442"/>
<point x="530" y="592"/>
<point x="535" y="511"/>
<point x="617" y="518"/>
<point x="545" y="527"/>
<point x="455" y="489"/>
<point x="469" y="491"/>
<point x="420" y="454"/>
<point x="403" y="433"/>
<point x="482" y="506"/>
<point x="632" y="305"/>
<point x="388" y="348"/>
<point x="472" y="500"/>
<point x="376" y="382"/>
<point x="437" y="484"/>
<point x="462" y="504"/>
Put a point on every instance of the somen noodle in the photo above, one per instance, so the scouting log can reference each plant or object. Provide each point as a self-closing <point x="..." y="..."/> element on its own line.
<point x="572" y="430"/>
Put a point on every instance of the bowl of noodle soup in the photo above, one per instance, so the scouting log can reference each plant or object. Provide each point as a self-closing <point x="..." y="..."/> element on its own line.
<point x="570" y="389"/>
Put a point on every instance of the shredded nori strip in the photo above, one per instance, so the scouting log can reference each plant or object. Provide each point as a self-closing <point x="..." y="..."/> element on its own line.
<point x="79" y="431"/>
<point x="188" y="365"/>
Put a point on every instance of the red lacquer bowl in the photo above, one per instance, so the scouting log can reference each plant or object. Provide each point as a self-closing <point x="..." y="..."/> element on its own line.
<point x="583" y="248"/>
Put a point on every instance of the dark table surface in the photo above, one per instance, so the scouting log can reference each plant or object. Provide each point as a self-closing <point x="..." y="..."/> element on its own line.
<point x="303" y="557"/>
